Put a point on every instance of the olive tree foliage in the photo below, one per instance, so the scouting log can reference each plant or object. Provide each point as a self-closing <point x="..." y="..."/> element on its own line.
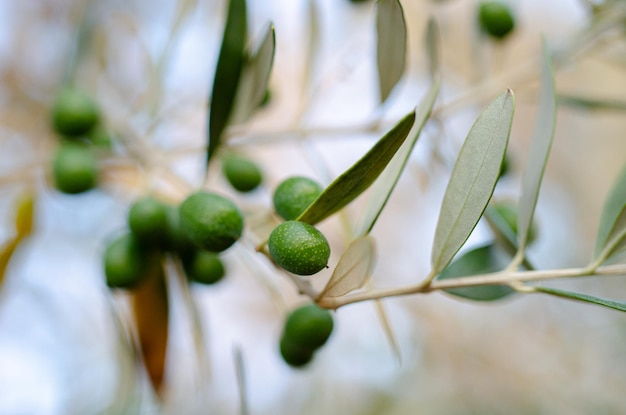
<point x="498" y="269"/>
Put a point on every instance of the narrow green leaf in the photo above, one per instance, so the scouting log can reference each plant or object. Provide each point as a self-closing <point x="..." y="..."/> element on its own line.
<point x="610" y="223"/>
<point x="390" y="45"/>
<point x="255" y="78"/>
<point x="432" y="48"/>
<point x="353" y="269"/>
<point x="587" y="103"/>
<point x="483" y="260"/>
<point x="473" y="179"/>
<point x="539" y="151"/>
<point x="387" y="181"/>
<point x="229" y="64"/>
<point x="360" y="175"/>
<point x="615" y="305"/>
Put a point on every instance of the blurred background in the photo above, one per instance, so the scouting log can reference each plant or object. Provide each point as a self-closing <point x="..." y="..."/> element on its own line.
<point x="150" y="65"/>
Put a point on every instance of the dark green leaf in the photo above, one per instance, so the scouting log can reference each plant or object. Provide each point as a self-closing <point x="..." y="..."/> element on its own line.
<point x="390" y="46"/>
<point x="229" y="64"/>
<point x="254" y="78"/>
<point x="360" y="175"/>
<point x="539" y="151"/>
<point x="473" y="179"/>
<point x="612" y="221"/>
<point x="615" y="305"/>
<point x="387" y="181"/>
<point x="483" y="260"/>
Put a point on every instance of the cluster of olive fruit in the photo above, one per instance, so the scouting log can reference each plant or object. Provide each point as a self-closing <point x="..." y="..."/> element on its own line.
<point x="76" y="120"/>
<point x="196" y="231"/>
<point x="306" y="329"/>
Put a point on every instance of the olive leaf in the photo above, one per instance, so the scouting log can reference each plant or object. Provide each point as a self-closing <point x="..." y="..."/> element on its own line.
<point x="615" y="305"/>
<point x="482" y="260"/>
<point x="503" y="232"/>
<point x="202" y="363"/>
<point x="229" y="66"/>
<point x="360" y="175"/>
<point x="24" y="213"/>
<point x="151" y="313"/>
<point x="390" y="46"/>
<point x="473" y="179"/>
<point x="385" y="184"/>
<point x="353" y="269"/>
<point x="612" y="221"/>
<point x="539" y="151"/>
<point x="254" y="78"/>
<point x="388" y="330"/>
<point x="313" y="46"/>
<point x="589" y="103"/>
<point x="240" y="370"/>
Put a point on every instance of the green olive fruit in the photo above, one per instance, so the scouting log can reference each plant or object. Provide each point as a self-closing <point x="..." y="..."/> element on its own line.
<point x="210" y="221"/>
<point x="177" y="241"/>
<point x="204" y="267"/>
<point x="74" y="168"/>
<point x="309" y="326"/>
<point x="147" y="220"/>
<point x="294" y="195"/>
<point x="243" y="174"/>
<point x="496" y="19"/>
<point x="299" y="248"/>
<point x="74" y="113"/>
<point x="124" y="262"/>
<point x="293" y="354"/>
<point x="509" y="212"/>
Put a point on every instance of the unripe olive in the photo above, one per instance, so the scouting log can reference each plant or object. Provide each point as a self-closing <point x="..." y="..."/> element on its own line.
<point x="294" y="195"/>
<point x="495" y="19"/>
<point x="210" y="221"/>
<point x="147" y="220"/>
<point x="177" y="240"/>
<point x="299" y="248"/>
<point x="74" y="113"/>
<point x="243" y="174"/>
<point x="124" y="262"/>
<point x="309" y="326"/>
<point x="75" y="169"/>
<point x="204" y="267"/>
<point x="293" y="354"/>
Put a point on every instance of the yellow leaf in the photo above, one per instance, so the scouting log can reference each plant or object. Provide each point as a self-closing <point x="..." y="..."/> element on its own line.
<point x="23" y="227"/>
